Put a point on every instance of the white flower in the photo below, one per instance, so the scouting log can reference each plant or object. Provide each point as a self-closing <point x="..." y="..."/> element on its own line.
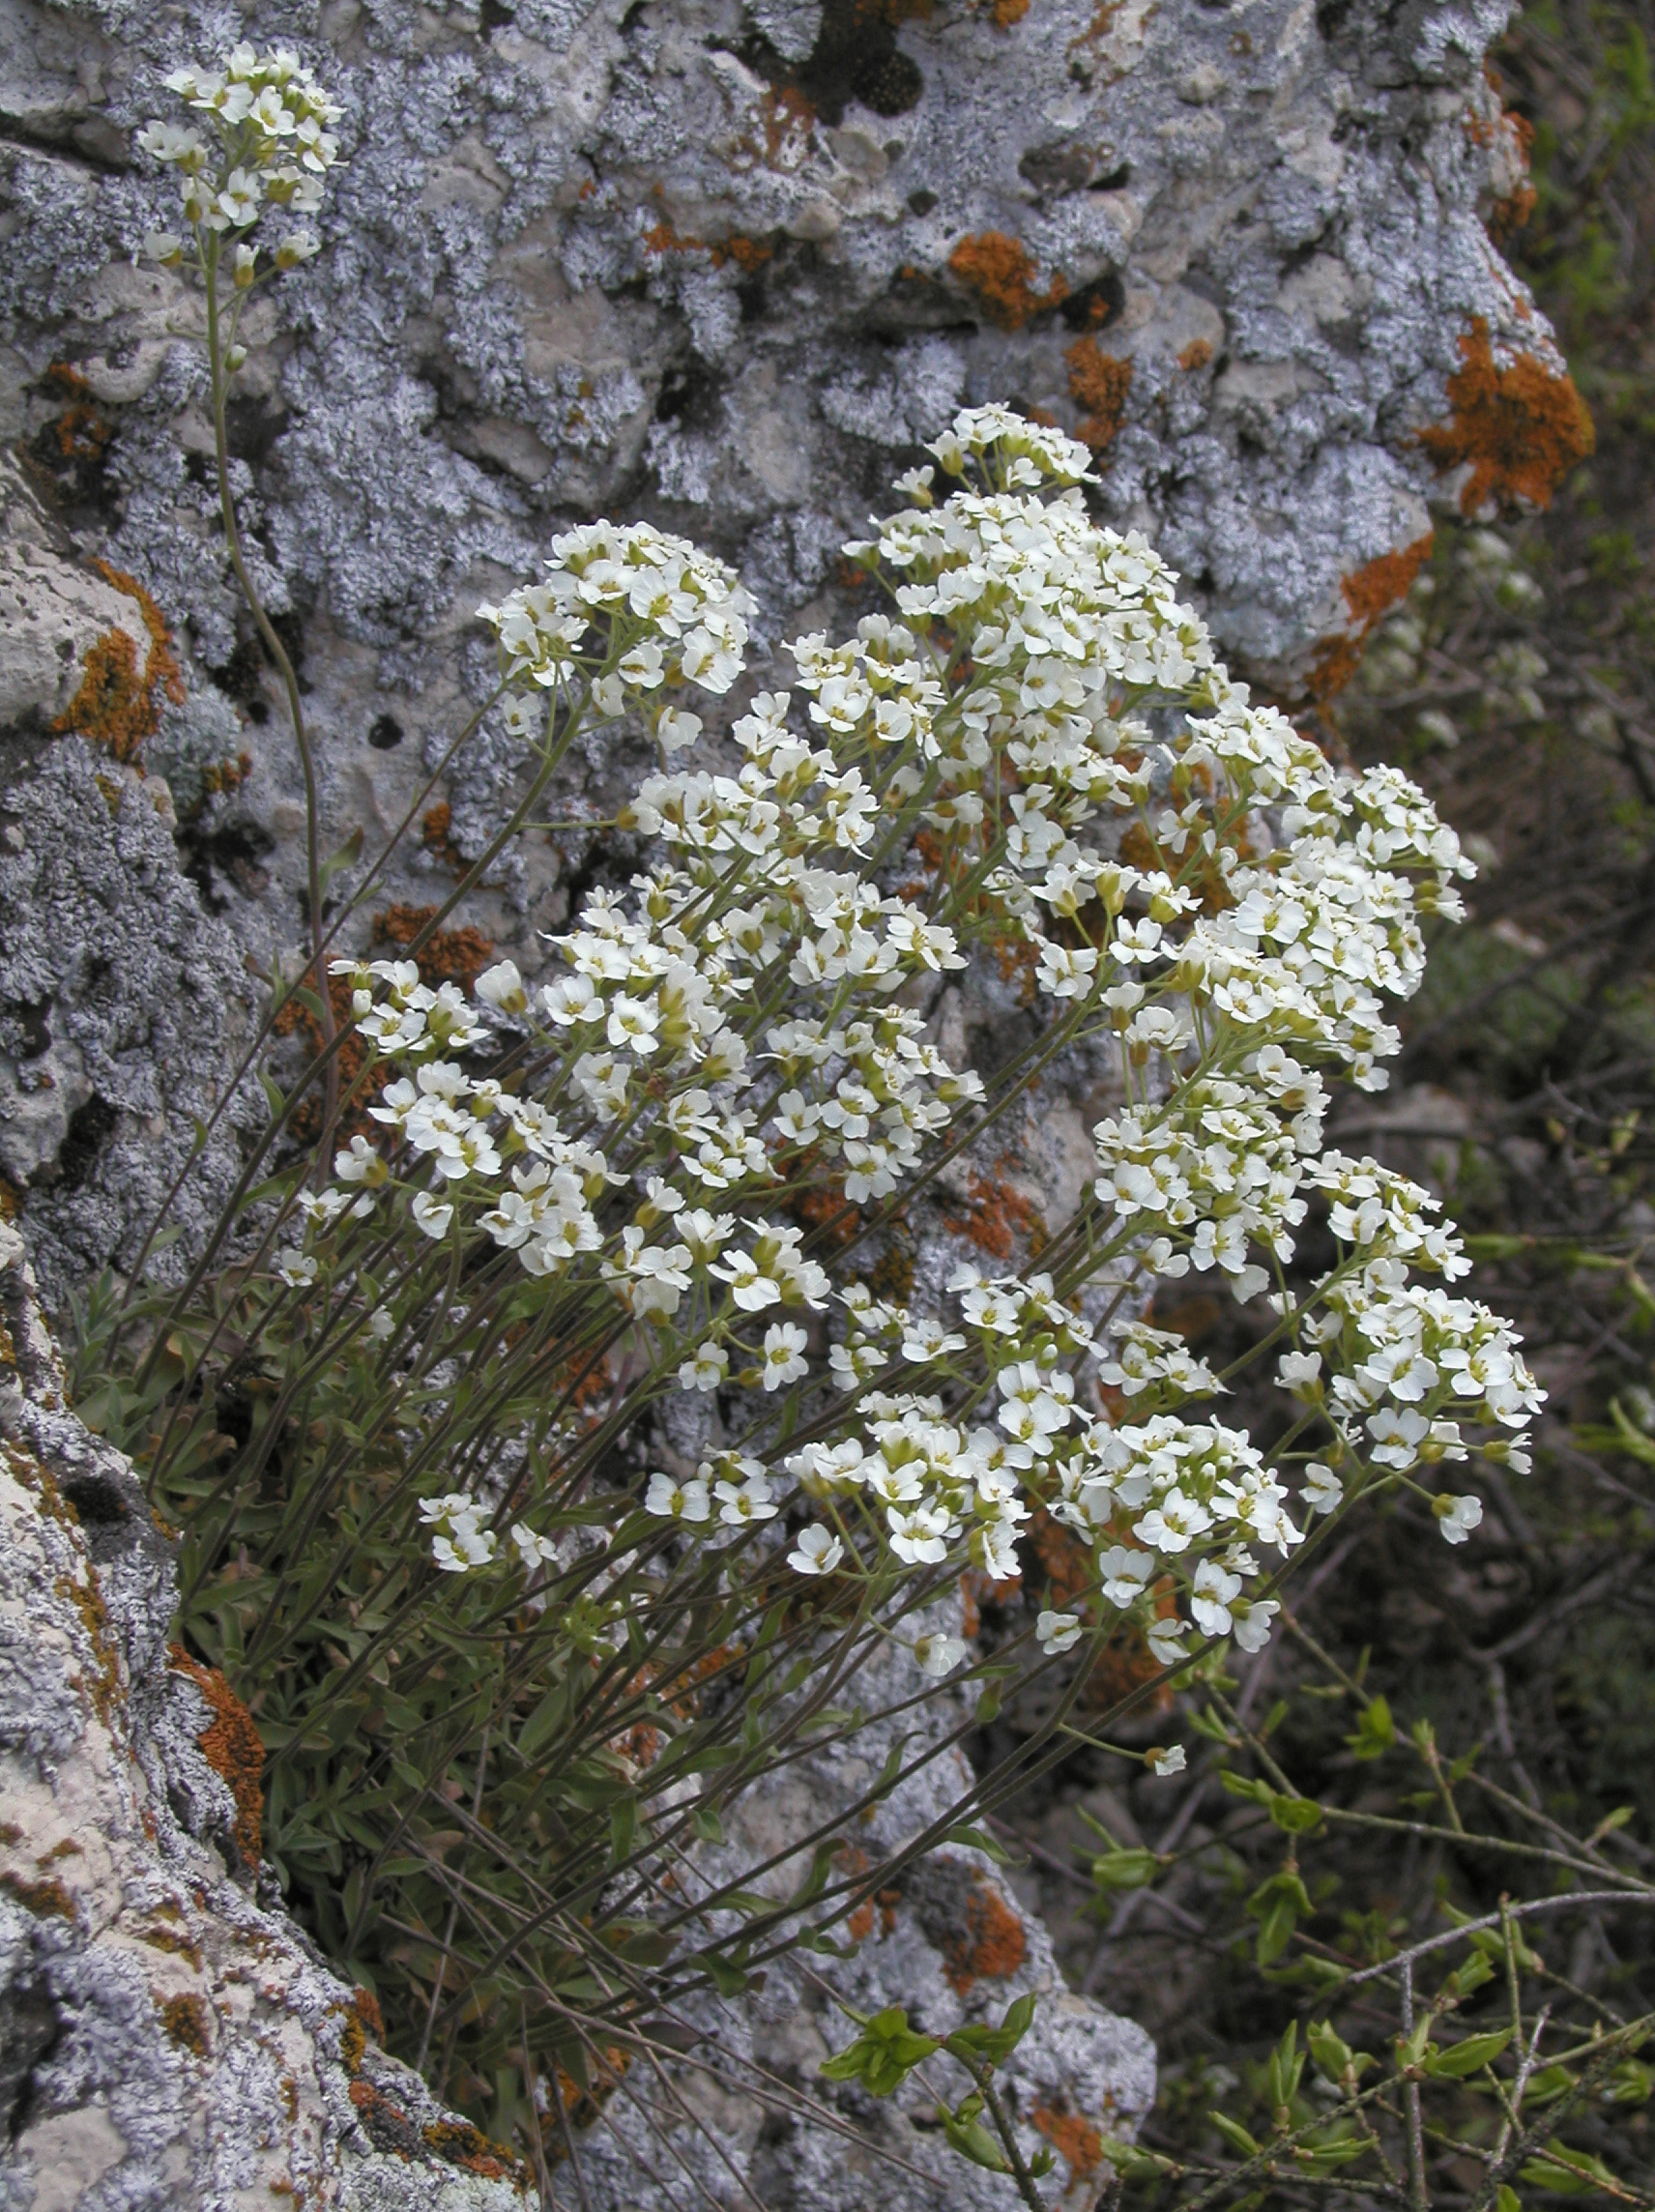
<point x="1166" y="1641"/>
<point x="1167" y="1760"/>
<point x="707" y="1371"/>
<point x="1125" y="1574"/>
<point x="500" y="986"/>
<point x="238" y="203"/>
<point x="1250" y="1621"/>
<point x="1214" y="1591"/>
<point x="1058" y="1631"/>
<point x="672" y="1501"/>
<point x="297" y="1269"/>
<point x="749" y="1500"/>
<point x="938" y="1655"/>
<point x="1323" y="1491"/>
<point x="381" y="1326"/>
<point x="1456" y="1517"/>
<point x="534" y="1550"/>
<point x="675" y="729"/>
<point x="360" y="1164"/>
<point x="818" y="1550"/>
<point x="784" y="1354"/>
<point x="432" y="1214"/>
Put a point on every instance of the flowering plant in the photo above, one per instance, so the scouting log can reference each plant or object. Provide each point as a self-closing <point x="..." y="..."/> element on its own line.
<point x="564" y="1455"/>
<point x="757" y="1019"/>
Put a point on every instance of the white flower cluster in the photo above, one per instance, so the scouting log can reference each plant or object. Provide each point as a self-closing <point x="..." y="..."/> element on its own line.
<point x="271" y="143"/>
<point x="659" y="611"/>
<point x="1043" y="753"/>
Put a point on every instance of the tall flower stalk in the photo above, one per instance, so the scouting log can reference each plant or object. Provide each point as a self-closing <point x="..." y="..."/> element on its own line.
<point x="271" y="148"/>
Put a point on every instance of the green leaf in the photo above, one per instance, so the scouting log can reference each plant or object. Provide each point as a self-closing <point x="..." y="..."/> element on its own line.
<point x="1468" y="2056"/>
<point x="979" y="1839"/>
<point x="1233" y="2134"/>
<point x="726" y="1978"/>
<point x="1297" y="1815"/>
<point x="1507" y="2200"/>
<point x="542" y="1722"/>
<point x="348" y="854"/>
<point x="1124" y="1868"/>
<point x="1286" y="2067"/>
<point x="1375" y="1731"/>
<point x="1570" y="2172"/>
<point x="883" y="2055"/>
<point x="1246" y="1785"/>
<point x="623" y="1828"/>
<point x="972" y="2139"/>
<point x="1333" y="2055"/>
<point x="979" y="2041"/>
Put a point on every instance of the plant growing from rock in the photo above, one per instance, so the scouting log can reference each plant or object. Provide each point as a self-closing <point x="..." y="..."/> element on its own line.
<point x="551" y="1470"/>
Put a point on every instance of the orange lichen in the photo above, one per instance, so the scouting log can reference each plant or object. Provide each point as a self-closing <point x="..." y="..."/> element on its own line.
<point x="233" y="1748"/>
<point x="1099" y="382"/>
<point x="891" y="1275"/>
<point x="447" y="956"/>
<point x="367" y="2011"/>
<point x="461" y="2144"/>
<point x="994" y="1216"/>
<point x="435" y="825"/>
<point x="82" y="430"/>
<point x="1511" y="211"/>
<point x="1370" y="593"/>
<point x="999" y="270"/>
<point x="187" y="2023"/>
<point x="1100" y="26"/>
<point x="116" y="707"/>
<point x="582" y="2106"/>
<point x="1520" y="430"/>
<point x="46" y="1899"/>
<point x="1075" y="2141"/>
<point x="992" y="1944"/>
<point x="168" y="1940"/>
<point x="1196" y="355"/>
<point x="1005" y="12"/>
<point x="87" y="1599"/>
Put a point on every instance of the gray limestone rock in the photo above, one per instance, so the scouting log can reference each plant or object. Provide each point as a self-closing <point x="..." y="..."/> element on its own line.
<point x="164" y="2040"/>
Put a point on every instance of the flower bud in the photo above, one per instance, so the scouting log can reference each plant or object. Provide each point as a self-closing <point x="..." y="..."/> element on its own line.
<point x="242" y="267"/>
<point x="234" y="357"/>
<point x="165" y="247"/>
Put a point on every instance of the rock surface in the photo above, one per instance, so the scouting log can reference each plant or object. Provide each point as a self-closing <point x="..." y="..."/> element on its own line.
<point x="164" y="2040"/>
<point x="720" y="264"/>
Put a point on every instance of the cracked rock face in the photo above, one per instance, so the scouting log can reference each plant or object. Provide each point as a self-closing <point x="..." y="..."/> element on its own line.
<point x="163" y="2041"/>
<point x="722" y="265"/>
